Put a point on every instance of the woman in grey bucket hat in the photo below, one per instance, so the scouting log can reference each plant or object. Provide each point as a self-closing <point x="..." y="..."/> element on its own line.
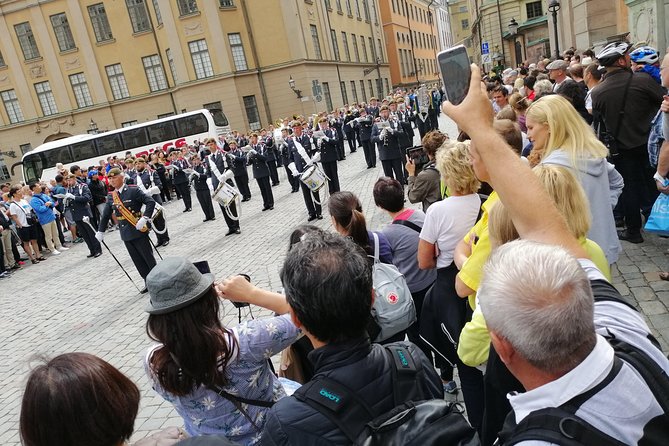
<point x="206" y="370"/>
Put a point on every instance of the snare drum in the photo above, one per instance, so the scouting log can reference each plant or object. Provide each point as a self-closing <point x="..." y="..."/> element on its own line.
<point x="313" y="177"/>
<point x="225" y="194"/>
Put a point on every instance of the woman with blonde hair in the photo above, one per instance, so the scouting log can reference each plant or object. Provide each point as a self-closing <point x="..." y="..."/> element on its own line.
<point x="444" y="313"/>
<point x="560" y="136"/>
<point x="519" y="104"/>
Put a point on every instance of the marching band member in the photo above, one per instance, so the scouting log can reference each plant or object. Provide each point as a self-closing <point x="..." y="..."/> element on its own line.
<point x="349" y="131"/>
<point x="286" y="159"/>
<point x="273" y="157"/>
<point x="386" y="133"/>
<point x="148" y="182"/>
<point x="215" y="168"/>
<point x="237" y="162"/>
<point x="373" y="108"/>
<point x="328" y="148"/>
<point x="365" y="123"/>
<point x="180" y="180"/>
<point x="258" y="159"/>
<point x="202" y="192"/>
<point x="337" y="123"/>
<point x="126" y="202"/>
<point x="77" y="197"/>
<point x="313" y="206"/>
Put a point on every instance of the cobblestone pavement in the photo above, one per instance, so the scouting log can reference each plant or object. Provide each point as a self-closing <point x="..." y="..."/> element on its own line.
<point x="71" y="303"/>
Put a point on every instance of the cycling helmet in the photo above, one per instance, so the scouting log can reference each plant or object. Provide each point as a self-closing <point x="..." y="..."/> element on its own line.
<point x="612" y="52"/>
<point x="645" y="55"/>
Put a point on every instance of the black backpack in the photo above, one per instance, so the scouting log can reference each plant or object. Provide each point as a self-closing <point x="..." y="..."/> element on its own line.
<point x="413" y="421"/>
<point x="561" y="426"/>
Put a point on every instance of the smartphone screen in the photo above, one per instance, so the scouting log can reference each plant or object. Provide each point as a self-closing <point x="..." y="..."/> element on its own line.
<point x="455" y="73"/>
<point x="202" y="266"/>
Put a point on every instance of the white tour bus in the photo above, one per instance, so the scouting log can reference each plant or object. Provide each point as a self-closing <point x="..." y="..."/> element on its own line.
<point x="140" y="139"/>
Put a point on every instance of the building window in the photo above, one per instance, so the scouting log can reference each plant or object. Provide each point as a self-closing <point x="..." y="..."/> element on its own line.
<point x="380" y="51"/>
<point x="2" y="61"/>
<point x="173" y="67"/>
<point x="464" y="23"/>
<point x="46" y="99"/>
<point x="80" y="89"/>
<point x="401" y="57"/>
<point x="159" y="16"/>
<point x="357" y="9"/>
<point x="362" y="90"/>
<point x="335" y="45"/>
<point x="128" y="123"/>
<point x="354" y="39"/>
<point x="187" y="7"/>
<point x="385" y="83"/>
<point x="27" y="40"/>
<point x="534" y="10"/>
<point x="213" y="106"/>
<point x="226" y="3"/>
<point x="316" y="42"/>
<point x="354" y="92"/>
<point x="371" y="87"/>
<point x="139" y="16"/>
<point x="376" y="15"/>
<point x="339" y="10"/>
<point x="344" y="95"/>
<point x="119" y="87"/>
<point x="100" y="22"/>
<point x="348" y="8"/>
<point x="61" y="28"/>
<point x="344" y="41"/>
<point x="363" y="47"/>
<point x="25" y="148"/>
<point x="328" y="5"/>
<point x="201" y="61"/>
<point x="154" y="72"/>
<point x="12" y="106"/>
<point x="328" y="97"/>
<point x="365" y="9"/>
<point x="237" y="49"/>
<point x="252" y="112"/>
<point x="372" y="50"/>
<point x="165" y="115"/>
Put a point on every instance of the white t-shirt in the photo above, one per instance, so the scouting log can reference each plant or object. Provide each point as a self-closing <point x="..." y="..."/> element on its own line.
<point x="447" y="222"/>
<point x="20" y="212"/>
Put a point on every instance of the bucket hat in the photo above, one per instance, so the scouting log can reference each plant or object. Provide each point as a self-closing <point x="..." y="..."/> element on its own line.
<point x="175" y="283"/>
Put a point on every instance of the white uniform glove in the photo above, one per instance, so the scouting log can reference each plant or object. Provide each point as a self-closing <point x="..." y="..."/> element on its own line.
<point x="253" y="152"/>
<point x="382" y="134"/>
<point x="390" y="130"/>
<point x="326" y="139"/>
<point x="154" y="190"/>
<point x="316" y="158"/>
<point x="99" y="236"/>
<point x="141" y="223"/>
<point x="69" y="196"/>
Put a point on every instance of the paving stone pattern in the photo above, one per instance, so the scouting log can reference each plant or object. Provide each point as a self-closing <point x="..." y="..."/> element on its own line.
<point x="71" y="303"/>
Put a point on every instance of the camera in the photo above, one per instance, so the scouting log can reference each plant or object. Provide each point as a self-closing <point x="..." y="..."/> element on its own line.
<point x="418" y="156"/>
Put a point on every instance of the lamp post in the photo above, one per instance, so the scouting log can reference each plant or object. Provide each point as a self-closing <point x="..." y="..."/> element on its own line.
<point x="554" y="7"/>
<point x="513" y="30"/>
<point x="291" y="84"/>
<point x="92" y="128"/>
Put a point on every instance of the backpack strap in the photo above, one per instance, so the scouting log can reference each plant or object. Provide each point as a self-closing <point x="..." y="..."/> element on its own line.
<point x="376" y="247"/>
<point x="408" y="224"/>
<point x="404" y="370"/>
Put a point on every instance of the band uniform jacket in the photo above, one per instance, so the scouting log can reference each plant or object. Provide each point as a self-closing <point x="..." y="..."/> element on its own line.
<point x="238" y="162"/>
<point x="338" y="125"/>
<point x="149" y="179"/>
<point x="374" y="111"/>
<point x="268" y="142"/>
<point x="389" y="148"/>
<point x="79" y="205"/>
<point x="329" y="148"/>
<point x="365" y="127"/>
<point x="349" y="126"/>
<point x="200" y="182"/>
<point x="133" y="199"/>
<point x="295" y="157"/>
<point x="218" y="159"/>
<point x="180" y="176"/>
<point x="405" y="118"/>
<point x="259" y="161"/>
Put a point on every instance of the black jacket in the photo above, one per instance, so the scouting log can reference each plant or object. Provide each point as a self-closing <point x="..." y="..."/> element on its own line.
<point x="365" y="128"/>
<point x="360" y="366"/>
<point x="389" y="147"/>
<point x="329" y="148"/>
<point x="200" y="182"/>
<point x="98" y="191"/>
<point x="133" y="199"/>
<point x="79" y="205"/>
<point x="180" y="176"/>
<point x="259" y="161"/>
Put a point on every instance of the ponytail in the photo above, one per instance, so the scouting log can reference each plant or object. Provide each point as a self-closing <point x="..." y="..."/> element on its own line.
<point x="346" y="210"/>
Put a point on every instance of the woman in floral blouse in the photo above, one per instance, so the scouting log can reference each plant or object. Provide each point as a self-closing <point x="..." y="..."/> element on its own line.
<point x="207" y="371"/>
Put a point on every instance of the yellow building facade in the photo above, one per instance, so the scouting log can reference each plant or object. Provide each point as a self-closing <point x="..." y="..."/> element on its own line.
<point x="412" y="40"/>
<point x="66" y="65"/>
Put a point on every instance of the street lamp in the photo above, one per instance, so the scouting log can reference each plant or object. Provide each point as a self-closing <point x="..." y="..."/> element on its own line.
<point x="554" y="7"/>
<point x="513" y="30"/>
<point x="92" y="128"/>
<point x="291" y="84"/>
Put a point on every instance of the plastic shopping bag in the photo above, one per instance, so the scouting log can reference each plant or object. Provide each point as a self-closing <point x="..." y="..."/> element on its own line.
<point x="658" y="222"/>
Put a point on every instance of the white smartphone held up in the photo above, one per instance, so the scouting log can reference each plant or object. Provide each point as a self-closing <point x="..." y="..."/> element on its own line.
<point x="455" y="73"/>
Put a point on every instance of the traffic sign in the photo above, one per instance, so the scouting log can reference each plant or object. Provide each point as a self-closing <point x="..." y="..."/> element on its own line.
<point x="486" y="58"/>
<point x="485" y="49"/>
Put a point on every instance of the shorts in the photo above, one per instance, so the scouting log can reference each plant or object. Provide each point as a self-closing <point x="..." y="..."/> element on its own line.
<point x="27" y="233"/>
<point x="68" y="218"/>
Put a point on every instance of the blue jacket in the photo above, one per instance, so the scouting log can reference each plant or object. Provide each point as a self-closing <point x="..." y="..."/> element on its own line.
<point x="44" y="213"/>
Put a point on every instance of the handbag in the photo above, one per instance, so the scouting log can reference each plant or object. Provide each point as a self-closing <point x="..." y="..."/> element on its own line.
<point x="658" y="221"/>
<point x="31" y="218"/>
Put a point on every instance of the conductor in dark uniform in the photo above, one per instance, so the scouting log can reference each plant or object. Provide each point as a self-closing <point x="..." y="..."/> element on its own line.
<point x="237" y="161"/>
<point x="387" y="134"/>
<point x="149" y="183"/>
<point x="337" y="124"/>
<point x="77" y="198"/>
<point x="272" y="158"/>
<point x="215" y="168"/>
<point x="329" y="154"/>
<point x="202" y="192"/>
<point x="126" y="202"/>
<point x="311" y="199"/>
<point x="179" y="166"/>
<point x="258" y="159"/>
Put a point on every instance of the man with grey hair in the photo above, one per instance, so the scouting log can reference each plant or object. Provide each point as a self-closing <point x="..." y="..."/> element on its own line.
<point x="553" y="318"/>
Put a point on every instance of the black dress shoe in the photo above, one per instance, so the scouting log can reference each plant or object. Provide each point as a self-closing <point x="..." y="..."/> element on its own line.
<point x="89" y="256"/>
<point x="319" y="216"/>
<point x="97" y="254"/>
<point x="245" y="199"/>
<point x="264" y="209"/>
<point x="144" y="290"/>
<point x="165" y="243"/>
<point x="238" y="231"/>
<point x="630" y="237"/>
<point x="189" y="209"/>
<point x="271" y="208"/>
<point x="206" y="220"/>
<point x="230" y="232"/>
<point x="312" y="218"/>
<point x="185" y="210"/>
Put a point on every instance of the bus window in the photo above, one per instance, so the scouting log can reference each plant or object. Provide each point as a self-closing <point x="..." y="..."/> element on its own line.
<point x="134" y="138"/>
<point x="161" y="132"/>
<point x="219" y="118"/>
<point x="32" y="168"/>
<point x="109" y="144"/>
<point x="84" y="150"/>
<point x="192" y="125"/>
<point x="57" y="155"/>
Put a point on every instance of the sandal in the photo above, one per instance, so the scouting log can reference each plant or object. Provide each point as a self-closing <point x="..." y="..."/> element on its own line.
<point x="34" y="261"/>
<point x="41" y="258"/>
<point x="664" y="275"/>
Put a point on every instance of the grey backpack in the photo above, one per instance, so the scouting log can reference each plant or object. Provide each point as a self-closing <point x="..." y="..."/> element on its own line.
<point x="393" y="309"/>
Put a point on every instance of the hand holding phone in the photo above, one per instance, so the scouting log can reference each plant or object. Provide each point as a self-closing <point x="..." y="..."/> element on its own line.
<point x="455" y="73"/>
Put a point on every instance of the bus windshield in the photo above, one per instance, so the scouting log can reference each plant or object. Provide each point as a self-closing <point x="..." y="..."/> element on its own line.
<point x="219" y="118"/>
<point x="32" y="167"/>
